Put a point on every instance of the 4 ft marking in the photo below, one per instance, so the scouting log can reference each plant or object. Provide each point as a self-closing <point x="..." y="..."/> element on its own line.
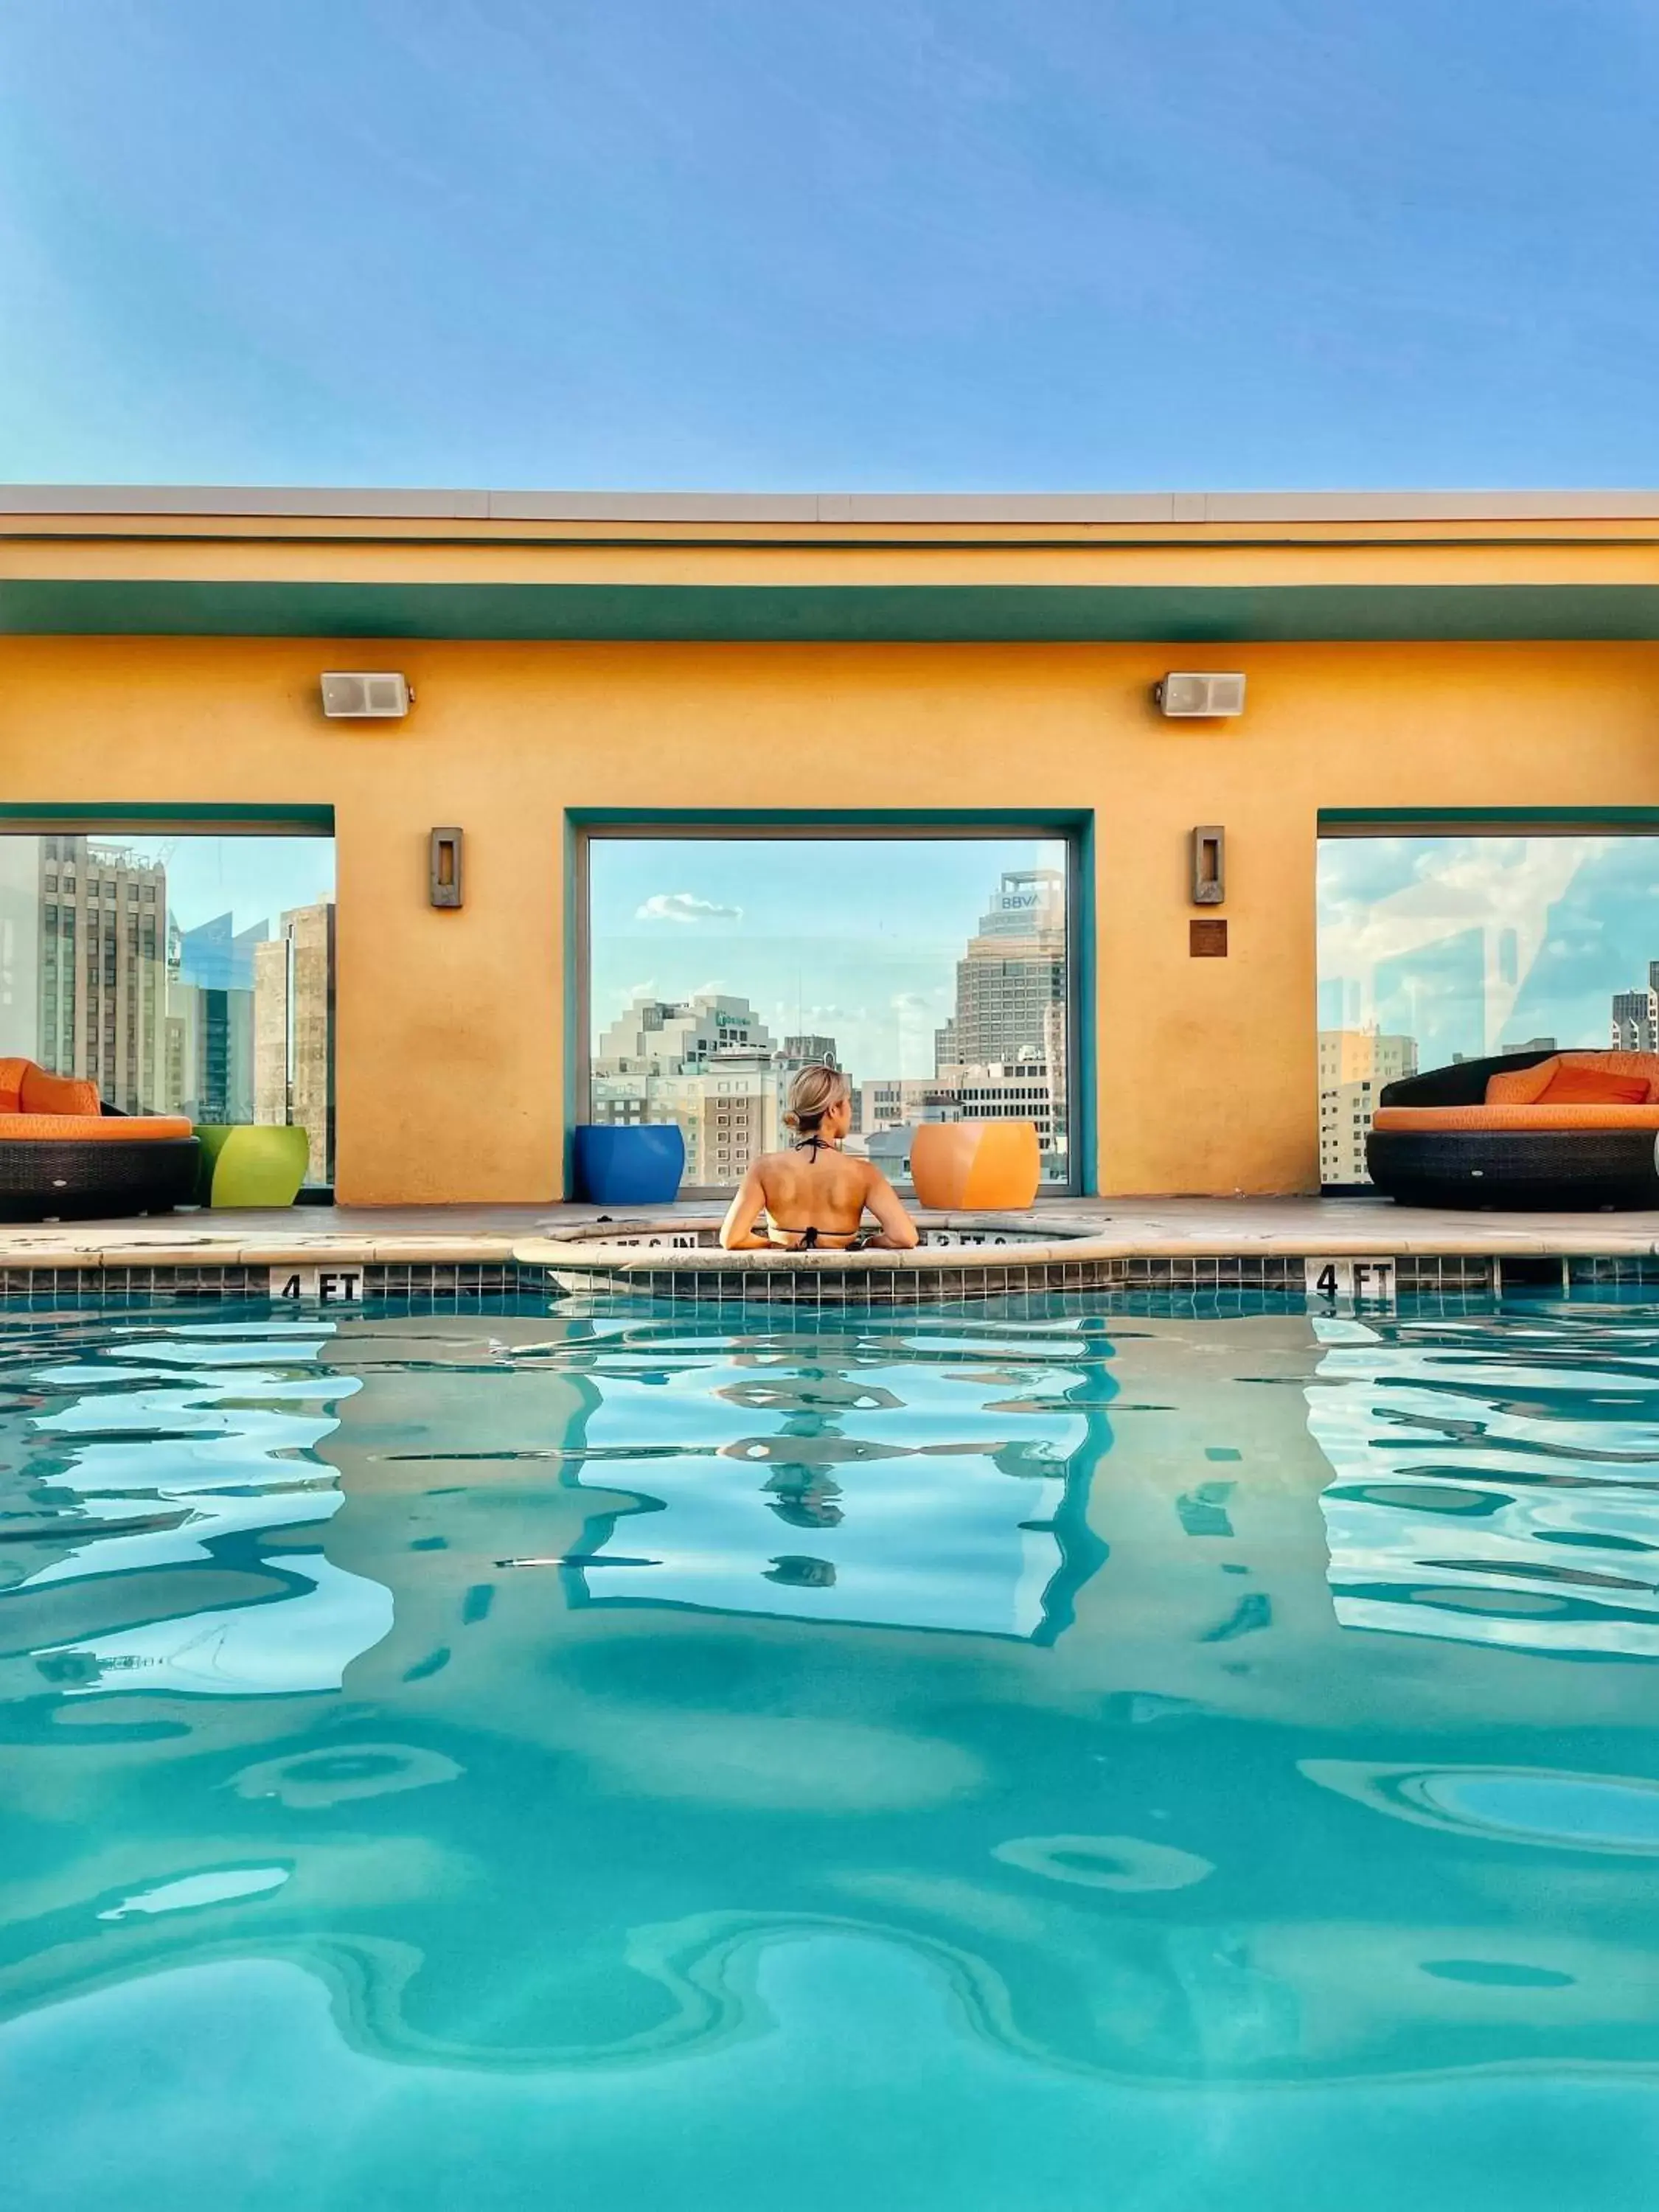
<point x="1362" y="1282"/>
<point x="328" y="1286"/>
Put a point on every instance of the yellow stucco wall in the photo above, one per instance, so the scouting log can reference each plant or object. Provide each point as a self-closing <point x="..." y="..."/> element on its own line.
<point x="450" y="1025"/>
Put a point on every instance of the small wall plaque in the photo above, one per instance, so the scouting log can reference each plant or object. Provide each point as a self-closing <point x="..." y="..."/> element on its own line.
<point x="1207" y="939"/>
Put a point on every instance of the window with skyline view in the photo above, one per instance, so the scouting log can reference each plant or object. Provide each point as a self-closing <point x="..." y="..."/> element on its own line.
<point x="1438" y="949"/>
<point x="934" y="971"/>
<point x="183" y="973"/>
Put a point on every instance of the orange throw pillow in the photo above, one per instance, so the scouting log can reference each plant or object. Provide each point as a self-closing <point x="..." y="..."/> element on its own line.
<point x="1593" y="1086"/>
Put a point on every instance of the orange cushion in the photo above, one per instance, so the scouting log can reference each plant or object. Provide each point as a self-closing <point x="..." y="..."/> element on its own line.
<point x="41" y="1093"/>
<point x="1538" y="1116"/>
<point x="91" y="1128"/>
<point x="1593" y="1086"/>
<point x="1524" y="1086"/>
<point x="12" y="1072"/>
<point x="1519" y="1086"/>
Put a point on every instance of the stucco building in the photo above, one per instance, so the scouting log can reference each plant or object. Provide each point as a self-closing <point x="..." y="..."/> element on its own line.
<point x="582" y="666"/>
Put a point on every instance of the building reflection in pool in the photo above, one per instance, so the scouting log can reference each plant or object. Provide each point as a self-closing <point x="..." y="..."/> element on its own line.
<point x="1496" y="1479"/>
<point x="811" y="1491"/>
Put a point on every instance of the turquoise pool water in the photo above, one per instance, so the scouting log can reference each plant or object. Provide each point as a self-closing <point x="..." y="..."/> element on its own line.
<point x="1076" y="1759"/>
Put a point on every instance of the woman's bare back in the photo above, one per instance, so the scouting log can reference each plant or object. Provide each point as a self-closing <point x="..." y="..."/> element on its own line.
<point x="816" y="1195"/>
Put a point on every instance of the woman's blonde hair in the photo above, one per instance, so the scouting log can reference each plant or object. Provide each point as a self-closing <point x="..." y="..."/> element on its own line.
<point x="814" y="1092"/>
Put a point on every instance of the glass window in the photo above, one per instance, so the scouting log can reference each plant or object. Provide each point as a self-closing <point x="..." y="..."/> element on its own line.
<point x="1433" y="949"/>
<point x="934" y="971"/>
<point x="225" y="1010"/>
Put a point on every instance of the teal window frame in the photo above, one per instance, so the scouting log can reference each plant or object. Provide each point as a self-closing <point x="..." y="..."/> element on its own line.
<point x="1075" y="827"/>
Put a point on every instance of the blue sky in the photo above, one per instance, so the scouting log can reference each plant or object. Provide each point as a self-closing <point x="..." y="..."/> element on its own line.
<point x="856" y="939"/>
<point x="1000" y="244"/>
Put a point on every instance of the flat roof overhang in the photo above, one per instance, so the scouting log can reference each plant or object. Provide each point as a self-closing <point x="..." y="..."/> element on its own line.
<point x="1200" y="569"/>
<point x="956" y="614"/>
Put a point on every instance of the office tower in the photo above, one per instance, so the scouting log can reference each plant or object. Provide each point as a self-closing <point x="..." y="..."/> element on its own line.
<point x="1635" y="1016"/>
<point x="101" y="939"/>
<point x="293" y="976"/>
<point x="1013" y="971"/>
<point x="1354" y="1065"/>
<point x="211" y="974"/>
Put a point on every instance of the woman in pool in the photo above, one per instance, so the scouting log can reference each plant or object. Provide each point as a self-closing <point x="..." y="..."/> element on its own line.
<point x="814" y="1196"/>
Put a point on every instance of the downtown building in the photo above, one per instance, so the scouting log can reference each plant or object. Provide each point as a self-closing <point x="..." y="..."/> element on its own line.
<point x="293" y="1059"/>
<point x="210" y="1011"/>
<point x="708" y="1064"/>
<point x="1635" y="1024"/>
<point x="85" y="965"/>
<point x="1354" y="1065"/>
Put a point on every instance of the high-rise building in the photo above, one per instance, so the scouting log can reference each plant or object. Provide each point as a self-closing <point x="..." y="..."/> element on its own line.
<point x="101" y="963"/>
<point x="708" y="1063"/>
<point x="1011" y="975"/>
<point x="211" y="972"/>
<point x="292" y="974"/>
<point x="215" y="957"/>
<point x="1635" y="1016"/>
<point x="1354" y="1065"/>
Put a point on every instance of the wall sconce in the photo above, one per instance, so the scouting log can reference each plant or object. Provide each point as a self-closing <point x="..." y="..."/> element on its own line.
<point x="1209" y="864"/>
<point x="445" y="888"/>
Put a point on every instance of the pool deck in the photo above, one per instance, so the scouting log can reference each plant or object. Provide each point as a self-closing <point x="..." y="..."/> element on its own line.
<point x="1152" y="1228"/>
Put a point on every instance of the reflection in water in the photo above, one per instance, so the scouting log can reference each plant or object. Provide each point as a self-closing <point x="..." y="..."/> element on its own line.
<point x="169" y="1536"/>
<point x="946" y="1508"/>
<point x="1497" y="1479"/>
<point x="893" y="1721"/>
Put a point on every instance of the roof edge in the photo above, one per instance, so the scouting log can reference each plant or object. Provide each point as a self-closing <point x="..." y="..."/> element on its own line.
<point x="1022" y="509"/>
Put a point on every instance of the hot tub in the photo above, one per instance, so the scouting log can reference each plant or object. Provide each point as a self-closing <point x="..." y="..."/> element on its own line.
<point x="960" y="1256"/>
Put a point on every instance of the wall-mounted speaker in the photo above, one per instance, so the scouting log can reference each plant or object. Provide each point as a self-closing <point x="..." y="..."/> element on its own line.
<point x="352" y="696"/>
<point x="1199" y="697"/>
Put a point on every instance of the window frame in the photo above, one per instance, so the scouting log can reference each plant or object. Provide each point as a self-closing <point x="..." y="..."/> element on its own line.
<point x="1345" y="823"/>
<point x="1073" y="829"/>
<point x="147" y="819"/>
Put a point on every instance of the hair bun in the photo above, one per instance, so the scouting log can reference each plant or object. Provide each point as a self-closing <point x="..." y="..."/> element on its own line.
<point x="792" y="1121"/>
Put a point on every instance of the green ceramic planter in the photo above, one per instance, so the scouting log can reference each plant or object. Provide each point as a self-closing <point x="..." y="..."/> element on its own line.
<point x="248" y="1164"/>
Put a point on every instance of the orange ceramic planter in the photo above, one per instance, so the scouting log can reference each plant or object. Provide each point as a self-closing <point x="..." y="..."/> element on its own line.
<point x="975" y="1167"/>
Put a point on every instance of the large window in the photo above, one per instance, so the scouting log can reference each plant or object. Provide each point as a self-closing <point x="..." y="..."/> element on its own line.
<point x="181" y="973"/>
<point x="1433" y="949"/>
<point x="934" y="970"/>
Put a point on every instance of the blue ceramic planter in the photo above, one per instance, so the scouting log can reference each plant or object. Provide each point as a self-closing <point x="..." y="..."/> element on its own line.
<point x="619" y="1166"/>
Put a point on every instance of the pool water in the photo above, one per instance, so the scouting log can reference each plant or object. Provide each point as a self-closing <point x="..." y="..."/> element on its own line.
<point x="1069" y="1758"/>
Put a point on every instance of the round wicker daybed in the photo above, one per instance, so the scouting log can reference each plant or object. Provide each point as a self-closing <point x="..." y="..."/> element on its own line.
<point x="1567" y="1130"/>
<point x="63" y="1153"/>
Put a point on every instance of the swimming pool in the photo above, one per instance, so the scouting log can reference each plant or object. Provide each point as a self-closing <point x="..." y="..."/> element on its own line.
<point x="1076" y="1756"/>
